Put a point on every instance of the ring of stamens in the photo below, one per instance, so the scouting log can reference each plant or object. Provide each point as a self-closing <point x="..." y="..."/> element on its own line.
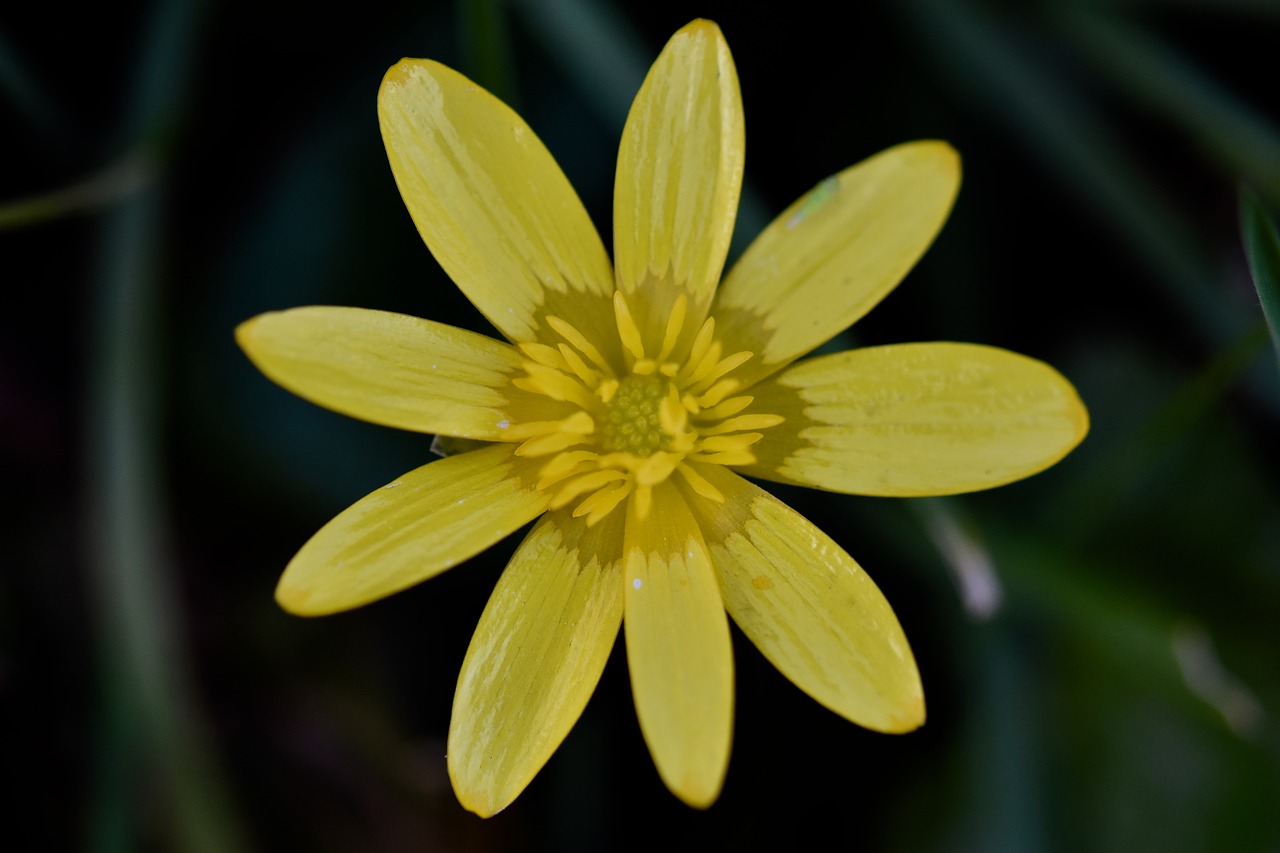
<point x="629" y="431"/>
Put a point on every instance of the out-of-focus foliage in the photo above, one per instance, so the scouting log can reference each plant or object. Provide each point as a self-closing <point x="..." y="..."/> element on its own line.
<point x="1098" y="644"/>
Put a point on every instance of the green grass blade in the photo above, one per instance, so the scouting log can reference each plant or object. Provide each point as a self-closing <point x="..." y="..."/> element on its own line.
<point x="1262" y="248"/>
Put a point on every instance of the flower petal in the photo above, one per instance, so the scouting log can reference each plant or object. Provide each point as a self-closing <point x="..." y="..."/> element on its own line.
<point x="809" y="607"/>
<point x="535" y="658"/>
<point x="678" y="649"/>
<point x="916" y="419"/>
<point x="490" y="202"/>
<point x="409" y="530"/>
<point x="679" y="175"/>
<point x="831" y="256"/>
<point x="390" y="369"/>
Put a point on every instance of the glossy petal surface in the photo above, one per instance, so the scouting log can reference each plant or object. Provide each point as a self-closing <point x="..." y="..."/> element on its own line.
<point x="679" y="176"/>
<point x="489" y="200"/>
<point x="678" y="649"/>
<point x="411" y="529"/>
<point x="535" y="658"/>
<point x="916" y="419"/>
<point x="810" y="608"/>
<point x="386" y="368"/>
<point x="835" y="253"/>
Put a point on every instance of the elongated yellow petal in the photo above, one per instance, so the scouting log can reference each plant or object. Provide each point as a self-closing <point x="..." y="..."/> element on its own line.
<point x="386" y="368"/>
<point x="831" y="256"/>
<point x="490" y="202"/>
<point x="678" y="648"/>
<point x="409" y="530"/>
<point x="679" y="176"/>
<point x="535" y="658"/>
<point x="916" y="419"/>
<point x="809" y="607"/>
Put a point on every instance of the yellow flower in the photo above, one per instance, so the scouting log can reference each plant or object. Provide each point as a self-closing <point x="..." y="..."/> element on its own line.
<point x="625" y="406"/>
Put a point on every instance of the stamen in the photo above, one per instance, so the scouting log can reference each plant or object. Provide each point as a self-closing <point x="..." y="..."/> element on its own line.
<point x="718" y="392"/>
<point x="729" y="442"/>
<point x="586" y="483"/>
<point x="579" y="422"/>
<point x="573" y="362"/>
<point x="672" y="415"/>
<point x="704" y="365"/>
<point x="675" y="324"/>
<point x="741" y="423"/>
<point x="702" y="342"/>
<point x="573" y="336"/>
<point x="721" y="368"/>
<point x="656" y="468"/>
<point x="602" y="503"/>
<point x="628" y="331"/>
<point x="564" y="465"/>
<point x="699" y="483"/>
<point x="552" y="442"/>
<point x="552" y="383"/>
<point x="726" y="409"/>
<point x="728" y="457"/>
<point x="545" y="355"/>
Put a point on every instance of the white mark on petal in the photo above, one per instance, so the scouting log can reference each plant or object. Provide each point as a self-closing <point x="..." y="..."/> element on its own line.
<point x="636" y="583"/>
<point x="391" y="485"/>
<point x="504" y="423"/>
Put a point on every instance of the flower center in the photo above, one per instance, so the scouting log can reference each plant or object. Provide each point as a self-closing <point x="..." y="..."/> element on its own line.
<point x="631" y="423"/>
<point x="670" y="409"/>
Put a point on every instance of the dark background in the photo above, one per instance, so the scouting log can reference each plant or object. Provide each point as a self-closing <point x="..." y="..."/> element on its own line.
<point x="172" y="168"/>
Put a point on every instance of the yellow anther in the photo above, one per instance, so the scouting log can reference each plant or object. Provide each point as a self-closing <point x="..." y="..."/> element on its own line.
<point x="720" y="369"/>
<point x="574" y="362"/>
<point x="628" y="331"/>
<point x="726" y="409"/>
<point x="564" y="465"/>
<point x="743" y="423"/>
<point x="699" y="483"/>
<point x="603" y="502"/>
<point x="675" y="324"/>
<point x="552" y="383"/>
<point x="718" y="443"/>
<point x="695" y="372"/>
<point x="552" y="442"/>
<point x="718" y="392"/>
<point x="672" y="414"/>
<point x="606" y="389"/>
<point x="583" y="484"/>
<point x="542" y="354"/>
<point x="728" y="457"/>
<point x="574" y="337"/>
<point x="656" y="468"/>
<point x="701" y="343"/>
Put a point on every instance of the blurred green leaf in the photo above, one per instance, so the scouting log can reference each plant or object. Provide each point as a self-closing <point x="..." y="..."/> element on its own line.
<point x="1262" y="247"/>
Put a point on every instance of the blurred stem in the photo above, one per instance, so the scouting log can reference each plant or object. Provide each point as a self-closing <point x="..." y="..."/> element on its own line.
<point x="123" y="177"/>
<point x="153" y="743"/>
<point x="964" y="553"/>
<point x="1159" y="78"/>
<point x="486" y="49"/>
<point x="1262" y="248"/>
